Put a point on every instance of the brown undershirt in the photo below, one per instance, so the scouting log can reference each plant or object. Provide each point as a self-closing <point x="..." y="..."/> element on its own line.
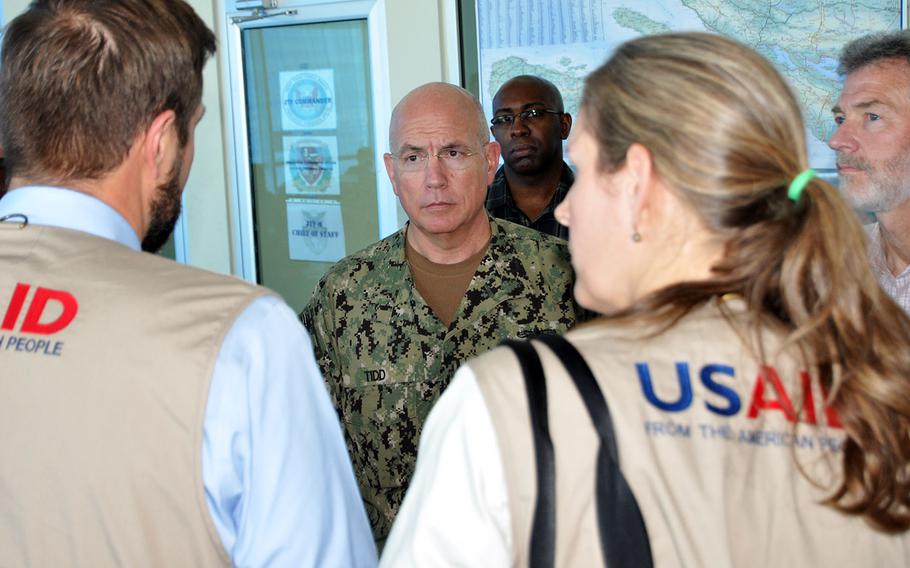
<point x="442" y="286"/>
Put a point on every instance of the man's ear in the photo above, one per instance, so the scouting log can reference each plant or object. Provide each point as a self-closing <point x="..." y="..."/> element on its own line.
<point x="565" y="125"/>
<point x="491" y="154"/>
<point x="160" y="145"/>
<point x="390" y="170"/>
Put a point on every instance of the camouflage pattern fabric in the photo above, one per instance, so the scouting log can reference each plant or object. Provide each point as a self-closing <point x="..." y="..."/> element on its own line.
<point x="386" y="357"/>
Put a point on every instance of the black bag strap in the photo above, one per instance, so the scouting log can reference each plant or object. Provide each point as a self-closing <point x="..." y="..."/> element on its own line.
<point x="543" y="529"/>
<point x="623" y="535"/>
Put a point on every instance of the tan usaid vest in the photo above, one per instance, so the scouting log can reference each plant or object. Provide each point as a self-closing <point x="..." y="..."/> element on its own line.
<point x="106" y="356"/>
<point x="709" y="451"/>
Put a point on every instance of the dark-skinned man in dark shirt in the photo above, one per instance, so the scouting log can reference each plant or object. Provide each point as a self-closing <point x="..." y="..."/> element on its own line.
<point x="530" y="124"/>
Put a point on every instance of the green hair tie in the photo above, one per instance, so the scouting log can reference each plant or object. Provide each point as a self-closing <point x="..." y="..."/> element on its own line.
<point x="799" y="184"/>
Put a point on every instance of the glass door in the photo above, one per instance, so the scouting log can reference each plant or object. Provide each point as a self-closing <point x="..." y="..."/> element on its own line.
<point x="305" y="141"/>
<point x="311" y="148"/>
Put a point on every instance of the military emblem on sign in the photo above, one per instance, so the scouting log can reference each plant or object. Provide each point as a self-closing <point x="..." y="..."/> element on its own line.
<point x="308" y="99"/>
<point x="311" y="166"/>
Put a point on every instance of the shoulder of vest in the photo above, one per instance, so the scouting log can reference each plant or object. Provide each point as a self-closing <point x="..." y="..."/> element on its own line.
<point x="706" y="325"/>
<point x="150" y="271"/>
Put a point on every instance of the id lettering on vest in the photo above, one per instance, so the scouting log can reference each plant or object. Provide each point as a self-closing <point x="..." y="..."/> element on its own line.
<point x="44" y="312"/>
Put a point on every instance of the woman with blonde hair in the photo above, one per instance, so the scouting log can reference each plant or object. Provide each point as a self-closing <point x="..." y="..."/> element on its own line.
<point x="754" y="377"/>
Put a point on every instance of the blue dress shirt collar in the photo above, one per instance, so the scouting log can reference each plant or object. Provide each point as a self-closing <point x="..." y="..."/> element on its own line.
<point x="69" y="209"/>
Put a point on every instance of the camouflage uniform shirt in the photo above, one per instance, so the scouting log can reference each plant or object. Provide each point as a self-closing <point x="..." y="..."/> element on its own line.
<point x="386" y="357"/>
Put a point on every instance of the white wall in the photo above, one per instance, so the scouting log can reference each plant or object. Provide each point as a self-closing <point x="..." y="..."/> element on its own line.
<point x="415" y="45"/>
<point x="417" y="49"/>
<point x="208" y="241"/>
<point x="13" y="7"/>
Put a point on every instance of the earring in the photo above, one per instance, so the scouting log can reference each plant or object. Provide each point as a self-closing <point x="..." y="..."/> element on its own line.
<point x="636" y="237"/>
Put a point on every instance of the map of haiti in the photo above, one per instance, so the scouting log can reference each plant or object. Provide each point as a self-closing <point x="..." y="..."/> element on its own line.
<point x="563" y="41"/>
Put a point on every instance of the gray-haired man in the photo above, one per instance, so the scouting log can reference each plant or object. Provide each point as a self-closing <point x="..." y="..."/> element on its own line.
<point x="872" y="142"/>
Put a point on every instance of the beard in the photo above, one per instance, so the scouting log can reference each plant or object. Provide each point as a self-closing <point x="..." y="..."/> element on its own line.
<point x="165" y="210"/>
<point x="886" y="187"/>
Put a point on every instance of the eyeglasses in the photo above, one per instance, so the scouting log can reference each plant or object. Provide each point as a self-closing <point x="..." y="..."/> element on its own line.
<point x="529" y="115"/>
<point x="453" y="158"/>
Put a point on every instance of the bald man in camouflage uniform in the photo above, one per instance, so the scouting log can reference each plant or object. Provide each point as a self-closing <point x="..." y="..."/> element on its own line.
<point x="392" y="323"/>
